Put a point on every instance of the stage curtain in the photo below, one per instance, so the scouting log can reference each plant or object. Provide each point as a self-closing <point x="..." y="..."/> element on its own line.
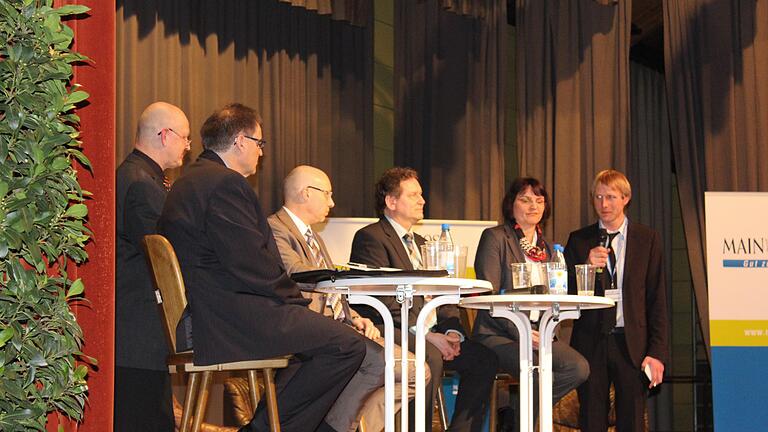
<point x="356" y="12"/>
<point x="649" y="168"/>
<point x="573" y="100"/>
<point x="309" y="76"/>
<point x="649" y="155"/>
<point x="449" y="105"/>
<point x="716" y="61"/>
<point x="472" y="8"/>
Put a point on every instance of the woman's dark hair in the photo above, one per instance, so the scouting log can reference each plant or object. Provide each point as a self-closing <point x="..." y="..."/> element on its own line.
<point x="517" y="187"/>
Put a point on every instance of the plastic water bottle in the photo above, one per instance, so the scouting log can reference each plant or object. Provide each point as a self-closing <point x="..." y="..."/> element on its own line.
<point x="445" y="234"/>
<point x="446" y="249"/>
<point x="558" y="272"/>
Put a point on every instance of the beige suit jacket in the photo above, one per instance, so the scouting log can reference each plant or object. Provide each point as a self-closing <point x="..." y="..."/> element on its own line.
<point x="297" y="257"/>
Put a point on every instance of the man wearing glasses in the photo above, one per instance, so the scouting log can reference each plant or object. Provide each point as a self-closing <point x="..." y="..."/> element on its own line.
<point x="142" y="383"/>
<point x="242" y="303"/>
<point x="627" y="345"/>
<point x="308" y="200"/>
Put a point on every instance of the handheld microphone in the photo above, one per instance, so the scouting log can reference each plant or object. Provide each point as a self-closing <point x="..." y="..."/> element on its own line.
<point x="603" y="240"/>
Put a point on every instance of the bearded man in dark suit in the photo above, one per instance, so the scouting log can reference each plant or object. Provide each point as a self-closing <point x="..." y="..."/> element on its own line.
<point x="620" y="343"/>
<point x="143" y="398"/>
<point x="243" y="304"/>
<point x="390" y="242"/>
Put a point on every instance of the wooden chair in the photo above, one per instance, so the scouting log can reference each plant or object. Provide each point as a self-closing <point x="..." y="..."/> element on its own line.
<point x="170" y="291"/>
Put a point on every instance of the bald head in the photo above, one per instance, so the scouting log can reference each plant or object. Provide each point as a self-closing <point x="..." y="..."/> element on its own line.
<point x="307" y="192"/>
<point x="162" y="134"/>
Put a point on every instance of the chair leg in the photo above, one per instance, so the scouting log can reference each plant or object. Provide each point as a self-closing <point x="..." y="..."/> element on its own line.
<point x="253" y="388"/>
<point x="271" y="395"/>
<point x="189" y="399"/>
<point x="492" y="406"/>
<point x="202" y="401"/>
<point x="441" y="408"/>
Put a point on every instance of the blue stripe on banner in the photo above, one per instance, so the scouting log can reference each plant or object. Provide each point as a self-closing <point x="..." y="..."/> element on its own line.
<point x="739" y="377"/>
<point x="745" y="263"/>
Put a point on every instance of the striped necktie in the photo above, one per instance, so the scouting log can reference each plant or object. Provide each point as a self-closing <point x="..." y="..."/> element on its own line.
<point x="333" y="301"/>
<point x="413" y="253"/>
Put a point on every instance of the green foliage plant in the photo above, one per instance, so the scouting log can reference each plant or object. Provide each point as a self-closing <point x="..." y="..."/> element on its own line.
<point x="42" y="217"/>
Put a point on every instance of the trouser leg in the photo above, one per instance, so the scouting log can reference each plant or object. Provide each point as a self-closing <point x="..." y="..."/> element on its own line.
<point x="143" y="400"/>
<point x="629" y="384"/>
<point x="593" y="393"/>
<point x="306" y="395"/>
<point x="344" y="412"/>
<point x="476" y="366"/>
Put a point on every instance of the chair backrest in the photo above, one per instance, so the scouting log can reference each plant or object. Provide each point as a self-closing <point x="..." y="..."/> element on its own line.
<point x="169" y="284"/>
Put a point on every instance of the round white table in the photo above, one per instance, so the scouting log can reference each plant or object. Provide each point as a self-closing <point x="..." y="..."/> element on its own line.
<point x="555" y="308"/>
<point x="444" y="290"/>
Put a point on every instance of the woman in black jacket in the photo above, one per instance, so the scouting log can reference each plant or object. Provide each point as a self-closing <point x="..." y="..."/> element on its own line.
<point x="518" y="240"/>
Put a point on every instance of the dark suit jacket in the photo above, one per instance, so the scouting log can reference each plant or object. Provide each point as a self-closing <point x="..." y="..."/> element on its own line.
<point x="297" y="257"/>
<point x="644" y="293"/>
<point x="498" y="248"/>
<point x="239" y="295"/>
<point x="378" y="244"/>
<point x="139" y="336"/>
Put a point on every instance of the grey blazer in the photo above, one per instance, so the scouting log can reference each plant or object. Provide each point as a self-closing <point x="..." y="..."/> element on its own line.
<point x="297" y="257"/>
<point x="498" y="248"/>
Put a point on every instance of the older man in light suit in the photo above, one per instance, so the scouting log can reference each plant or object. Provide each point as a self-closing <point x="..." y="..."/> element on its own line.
<point x="308" y="199"/>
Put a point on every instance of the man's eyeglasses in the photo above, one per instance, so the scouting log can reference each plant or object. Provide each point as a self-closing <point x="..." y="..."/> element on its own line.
<point x="259" y="142"/>
<point x="328" y="194"/>
<point x="186" y="139"/>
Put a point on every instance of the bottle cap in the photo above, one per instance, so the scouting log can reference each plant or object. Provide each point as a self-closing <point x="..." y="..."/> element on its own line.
<point x="558" y="247"/>
<point x="445" y="227"/>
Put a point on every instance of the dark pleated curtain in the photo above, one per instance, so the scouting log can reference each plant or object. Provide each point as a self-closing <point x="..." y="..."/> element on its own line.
<point x="716" y="62"/>
<point x="356" y="12"/>
<point x="449" y="87"/>
<point x="309" y="76"/>
<point x="649" y="168"/>
<point x="472" y="8"/>
<point x="573" y="98"/>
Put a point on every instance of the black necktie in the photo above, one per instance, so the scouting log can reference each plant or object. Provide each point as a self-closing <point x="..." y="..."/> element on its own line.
<point x="609" y="315"/>
<point x="612" y="259"/>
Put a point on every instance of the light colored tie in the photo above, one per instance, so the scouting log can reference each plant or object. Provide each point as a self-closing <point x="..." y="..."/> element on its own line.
<point x="333" y="301"/>
<point x="416" y="262"/>
<point x="413" y="253"/>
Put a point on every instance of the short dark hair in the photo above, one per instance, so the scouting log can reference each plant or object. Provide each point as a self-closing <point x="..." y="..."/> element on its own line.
<point x="221" y="127"/>
<point x="389" y="185"/>
<point x="517" y="187"/>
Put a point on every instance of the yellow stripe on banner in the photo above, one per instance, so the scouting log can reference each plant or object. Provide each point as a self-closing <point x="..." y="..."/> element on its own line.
<point x="739" y="332"/>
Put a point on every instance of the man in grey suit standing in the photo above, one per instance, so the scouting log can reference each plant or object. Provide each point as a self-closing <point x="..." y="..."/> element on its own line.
<point x="308" y="200"/>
